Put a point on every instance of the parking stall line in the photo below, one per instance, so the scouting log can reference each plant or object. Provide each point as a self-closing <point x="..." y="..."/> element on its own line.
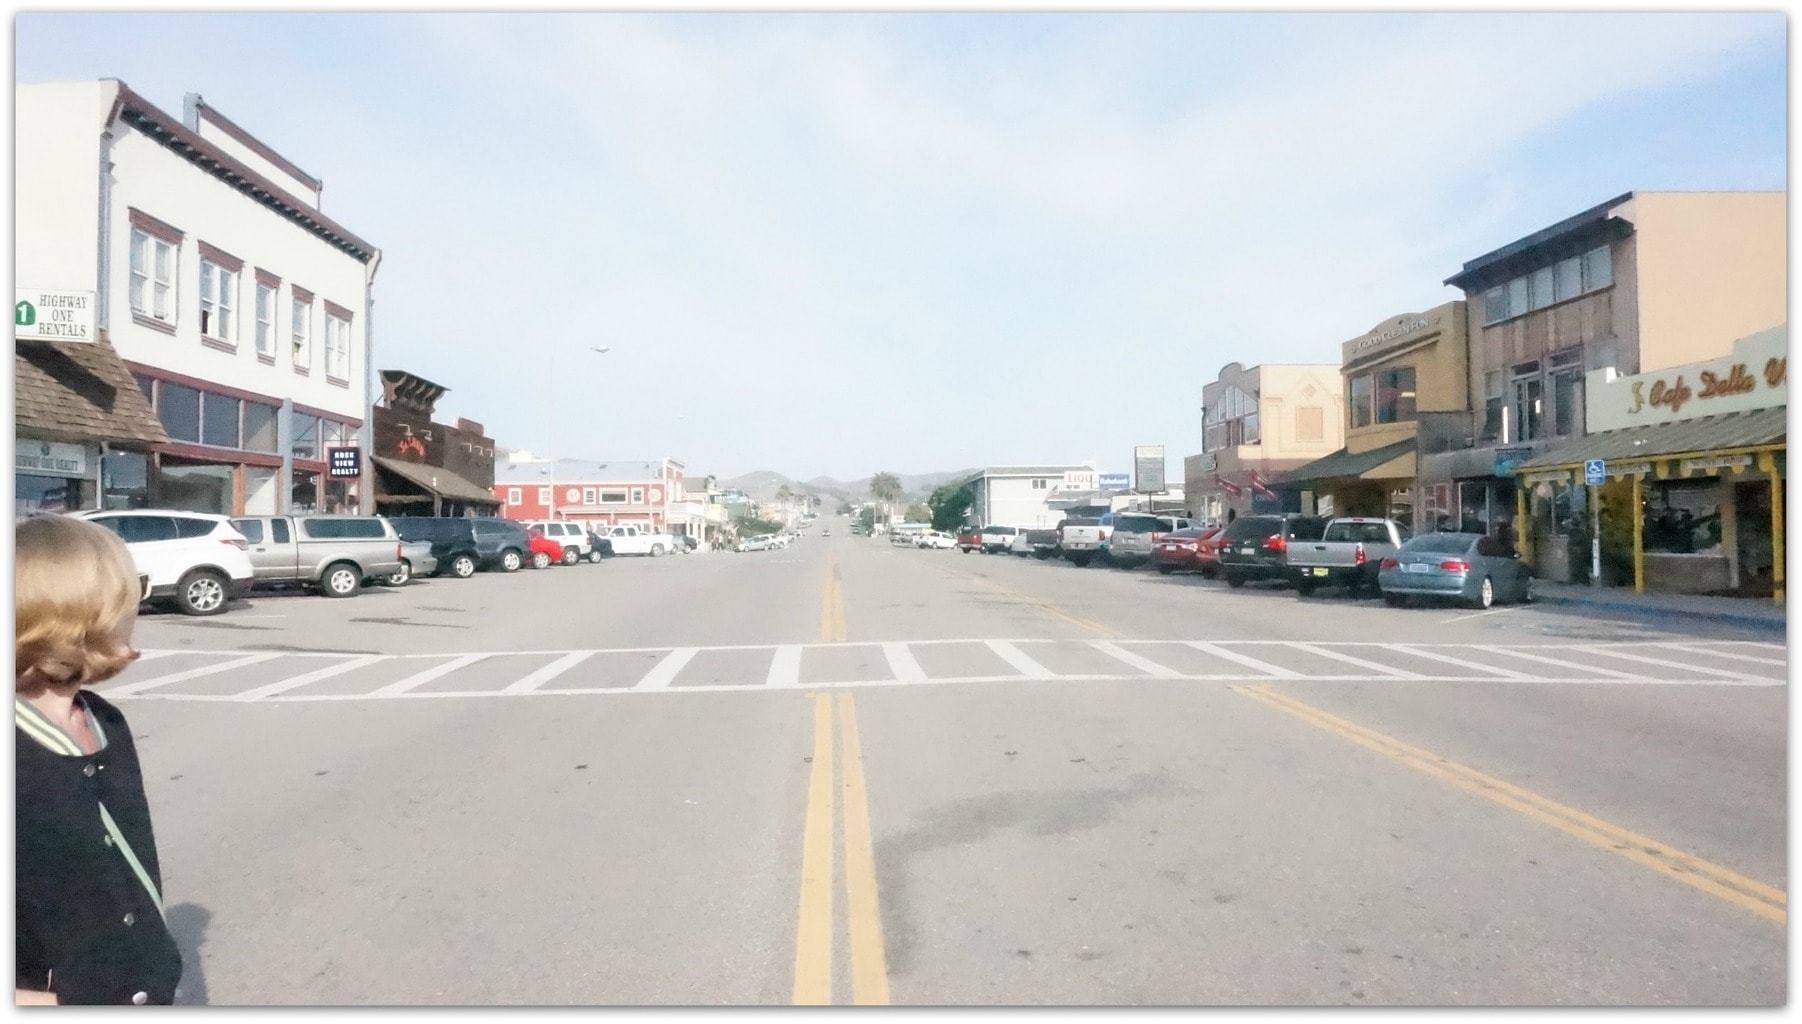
<point x="549" y="672"/>
<point x="1509" y="652"/>
<point x="1020" y="660"/>
<point x="785" y="667"/>
<point x="665" y="671"/>
<point x="1143" y="664"/>
<point x="1490" y="670"/>
<point x="1608" y="652"/>
<point x="194" y="673"/>
<point x="1273" y="671"/>
<point x="1783" y="662"/>
<point x="902" y="663"/>
<point x="311" y="677"/>
<point x="401" y="686"/>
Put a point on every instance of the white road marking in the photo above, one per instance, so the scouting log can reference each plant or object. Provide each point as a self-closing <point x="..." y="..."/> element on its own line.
<point x="400" y="687"/>
<point x="1505" y="673"/>
<point x="1725" y="654"/>
<point x="1019" y="659"/>
<point x="901" y="662"/>
<point x="1265" y="667"/>
<point x="1374" y="666"/>
<point x="194" y="673"/>
<point x="1668" y="663"/>
<point x="1475" y="615"/>
<point x="1143" y="664"/>
<point x="664" y="672"/>
<point x="311" y="677"/>
<point x="549" y="672"/>
<point x="785" y="667"/>
<point x="1512" y="653"/>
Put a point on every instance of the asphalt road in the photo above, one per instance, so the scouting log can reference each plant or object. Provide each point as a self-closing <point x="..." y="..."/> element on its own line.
<point x="852" y="772"/>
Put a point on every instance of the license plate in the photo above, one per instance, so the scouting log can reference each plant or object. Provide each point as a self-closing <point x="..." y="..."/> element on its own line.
<point x="1248" y="550"/>
<point x="1416" y="567"/>
<point x="1320" y="572"/>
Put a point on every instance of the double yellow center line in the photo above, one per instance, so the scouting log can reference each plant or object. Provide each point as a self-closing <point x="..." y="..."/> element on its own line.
<point x="832" y="606"/>
<point x="814" y="932"/>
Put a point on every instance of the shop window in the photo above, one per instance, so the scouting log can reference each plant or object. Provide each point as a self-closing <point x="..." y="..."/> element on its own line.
<point x="303" y="492"/>
<point x="1598" y="269"/>
<point x="1495" y="304"/>
<point x="1567" y="402"/>
<point x="1683" y="516"/>
<point x="341" y="497"/>
<point x="1493" y="401"/>
<point x="178" y="406"/>
<point x="1517" y="296"/>
<point x="1528" y="391"/>
<point x="1540" y="287"/>
<point x="33" y="494"/>
<point x="1250" y="427"/>
<point x="1569" y="274"/>
<point x="260" y="428"/>
<point x="148" y="386"/>
<point x="219" y="421"/>
<point x="196" y="487"/>
<point x="1395" y="395"/>
<point x="1362" y="391"/>
<point x="262" y="493"/>
<point x="125" y="480"/>
<point x="306" y="437"/>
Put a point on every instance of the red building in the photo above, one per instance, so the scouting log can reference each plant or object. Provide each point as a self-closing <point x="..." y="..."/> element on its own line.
<point x="596" y="493"/>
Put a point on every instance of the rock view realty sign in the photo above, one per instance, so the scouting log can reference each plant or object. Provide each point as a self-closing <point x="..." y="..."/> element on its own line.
<point x="53" y="316"/>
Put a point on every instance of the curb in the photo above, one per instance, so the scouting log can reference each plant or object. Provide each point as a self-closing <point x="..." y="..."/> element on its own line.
<point x="1751" y="621"/>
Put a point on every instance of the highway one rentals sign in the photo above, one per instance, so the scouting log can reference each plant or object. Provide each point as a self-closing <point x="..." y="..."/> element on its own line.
<point x="53" y="316"/>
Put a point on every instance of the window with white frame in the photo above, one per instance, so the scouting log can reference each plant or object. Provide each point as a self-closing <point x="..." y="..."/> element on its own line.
<point x="1579" y="275"/>
<point x="337" y="347"/>
<point x="266" y="320"/>
<point x="613" y="497"/>
<point x="152" y="276"/>
<point x="637" y="495"/>
<point x="588" y="496"/>
<point x="218" y="301"/>
<point x="544" y="496"/>
<point x="1040" y="484"/>
<point x="513" y="496"/>
<point x="300" y="333"/>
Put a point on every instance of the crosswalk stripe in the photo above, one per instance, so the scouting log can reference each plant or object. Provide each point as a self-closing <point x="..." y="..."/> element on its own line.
<point x="1374" y="666"/>
<point x="549" y="672"/>
<point x="1784" y="662"/>
<point x="311" y="677"/>
<point x="785" y="667"/>
<point x="1143" y="664"/>
<point x="901" y="662"/>
<point x="401" y="686"/>
<point x="1505" y="673"/>
<point x="1275" y="671"/>
<point x="1686" y="666"/>
<point x="665" y="671"/>
<point x="194" y="673"/>
<point x="1579" y="666"/>
<point x="1020" y="660"/>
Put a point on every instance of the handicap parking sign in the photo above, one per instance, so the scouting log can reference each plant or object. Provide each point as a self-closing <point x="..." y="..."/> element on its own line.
<point x="1594" y="471"/>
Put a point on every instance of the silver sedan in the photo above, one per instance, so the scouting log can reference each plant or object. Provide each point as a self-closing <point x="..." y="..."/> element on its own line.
<point x="1471" y="567"/>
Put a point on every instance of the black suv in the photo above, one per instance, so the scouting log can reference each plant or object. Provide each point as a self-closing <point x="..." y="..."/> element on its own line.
<point x="1256" y="547"/>
<point x="463" y="545"/>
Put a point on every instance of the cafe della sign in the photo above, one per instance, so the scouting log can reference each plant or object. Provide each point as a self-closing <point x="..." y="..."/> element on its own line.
<point x="1755" y="376"/>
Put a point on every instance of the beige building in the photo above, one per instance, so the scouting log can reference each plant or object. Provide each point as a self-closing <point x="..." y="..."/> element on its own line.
<point x="1258" y="424"/>
<point x="1642" y="282"/>
<point x="1407" y="370"/>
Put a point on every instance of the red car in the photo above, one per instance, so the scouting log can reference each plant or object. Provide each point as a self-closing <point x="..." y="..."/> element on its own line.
<point x="544" y="550"/>
<point x="1193" y="550"/>
<point x="969" y="539"/>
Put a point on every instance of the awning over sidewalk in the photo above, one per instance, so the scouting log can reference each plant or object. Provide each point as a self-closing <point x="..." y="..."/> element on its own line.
<point x="1343" y="465"/>
<point x="80" y="392"/>
<point x="1760" y="428"/>
<point x="434" y="480"/>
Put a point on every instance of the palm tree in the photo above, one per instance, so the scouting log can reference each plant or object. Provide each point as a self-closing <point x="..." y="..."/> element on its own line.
<point x="886" y="487"/>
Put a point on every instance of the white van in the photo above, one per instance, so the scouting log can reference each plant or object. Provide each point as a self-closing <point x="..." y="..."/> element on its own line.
<point x="574" y="538"/>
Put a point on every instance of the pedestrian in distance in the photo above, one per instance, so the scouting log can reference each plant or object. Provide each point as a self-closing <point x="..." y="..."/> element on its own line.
<point x="89" y="912"/>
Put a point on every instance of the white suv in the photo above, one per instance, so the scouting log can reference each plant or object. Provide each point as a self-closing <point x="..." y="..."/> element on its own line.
<point x="577" y="544"/>
<point x="195" y="559"/>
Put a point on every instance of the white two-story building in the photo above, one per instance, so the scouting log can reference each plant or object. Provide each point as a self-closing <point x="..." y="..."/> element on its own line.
<point x="241" y="309"/>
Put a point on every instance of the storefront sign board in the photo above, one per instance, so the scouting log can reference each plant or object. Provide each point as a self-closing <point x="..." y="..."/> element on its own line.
<point x="1755" y="376"/>
<point x="50" y="458"/>
<point x="344" y="463"/>
<point x="53" y="316"/>
<point x="1717" y="462"/>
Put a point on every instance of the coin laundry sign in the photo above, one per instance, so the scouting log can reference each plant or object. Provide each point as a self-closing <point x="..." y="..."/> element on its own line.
<point x="54" y="316"/>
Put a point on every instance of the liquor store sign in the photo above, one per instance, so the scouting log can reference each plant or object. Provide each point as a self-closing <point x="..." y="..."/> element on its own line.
<point x="1755" y="376"/>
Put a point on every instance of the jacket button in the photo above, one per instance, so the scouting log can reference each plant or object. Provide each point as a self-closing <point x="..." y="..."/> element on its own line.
<point x="131" y="919"/>
<point x="140" y="998"/>
<point x="88" y="770"/>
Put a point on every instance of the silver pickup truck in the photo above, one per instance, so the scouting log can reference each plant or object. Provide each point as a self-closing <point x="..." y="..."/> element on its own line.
<point x="333" y="553"/>
<point x="1347" y="554"/>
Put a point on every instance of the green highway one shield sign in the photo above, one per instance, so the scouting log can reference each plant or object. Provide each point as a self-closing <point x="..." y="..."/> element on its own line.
<point x="53" y="316"/>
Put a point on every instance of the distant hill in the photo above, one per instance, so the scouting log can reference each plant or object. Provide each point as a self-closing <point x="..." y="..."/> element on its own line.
<point x="763" y="485"/>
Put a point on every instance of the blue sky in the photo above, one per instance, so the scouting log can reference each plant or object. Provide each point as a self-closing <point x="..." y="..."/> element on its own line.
<point x="835" y="243"/>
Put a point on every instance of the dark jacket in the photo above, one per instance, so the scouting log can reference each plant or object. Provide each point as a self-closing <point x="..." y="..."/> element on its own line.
<point x="82" y="911"/>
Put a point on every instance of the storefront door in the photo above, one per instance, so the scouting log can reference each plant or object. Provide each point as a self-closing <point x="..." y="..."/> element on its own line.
<point x="1752" y="534"/>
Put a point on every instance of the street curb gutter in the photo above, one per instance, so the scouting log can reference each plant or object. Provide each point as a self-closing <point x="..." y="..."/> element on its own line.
<point x="1751" y="621"/>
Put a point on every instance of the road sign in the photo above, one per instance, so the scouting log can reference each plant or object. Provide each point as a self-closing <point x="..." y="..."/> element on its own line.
<point x="1594" y="471"/>
<point x="53" y="316"/>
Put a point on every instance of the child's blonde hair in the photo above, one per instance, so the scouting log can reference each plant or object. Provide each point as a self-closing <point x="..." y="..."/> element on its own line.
<point x="74" y="585"/>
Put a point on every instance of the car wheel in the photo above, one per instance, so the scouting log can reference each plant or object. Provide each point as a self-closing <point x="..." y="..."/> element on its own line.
<point x="510" y="560"/>
<point x="571" y="556"/>
<point x="1234" y="581"/>
<point x="657" y="550"/>
<point x="201" y="592"/>
<point x="1304" y="588"/>
<point x="1396" y="600"/>
<point x="463" y="567"/>
<point x="1165" y="570"/>
<point x="341" y="579"/>
<point x="1080" y="561"/>
<point x="594" y="557"/>
<point x="540" y="560"/>
<point x="1486" y="593"/>
<point x="401" y="576"/>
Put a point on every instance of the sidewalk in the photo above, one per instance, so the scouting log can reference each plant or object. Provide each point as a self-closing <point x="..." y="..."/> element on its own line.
<point x="1759" y="613"/>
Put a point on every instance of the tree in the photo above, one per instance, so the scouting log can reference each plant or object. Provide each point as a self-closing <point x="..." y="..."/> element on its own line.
<point x="949" y="504"/>
<point x="868" y="518"/>
<point x="886" y="487"/>
<point x="784" y="495"/>
<point x="919" y="512"/>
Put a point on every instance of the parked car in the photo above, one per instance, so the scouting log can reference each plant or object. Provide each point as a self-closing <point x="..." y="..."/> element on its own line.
<point x="1471" y="567"/>
<point x="1083" y="536"/>
<point x="196" y="560"/>
<point x="599" y="547"/>
<point x="1039" y="543"/>
<point x="1195" y="549"/>
<point x="1346" y="555"/>
<point x="825" y="531"/>
<point x="416" y="559"/>
<point x="1136" y="533"/>
<point x="334" y="554"/>
<point x="463" y="545"/>
<point x="996" y="538"/>
<point x="544" y="550"/>
<point x="937" y="540"/>
<point x="633" y="539"/>
<point x="969" y="539"/>
<point x="1254" y="547"/>
<point x="574" y="537"/>
<point x="760" y="542"/>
